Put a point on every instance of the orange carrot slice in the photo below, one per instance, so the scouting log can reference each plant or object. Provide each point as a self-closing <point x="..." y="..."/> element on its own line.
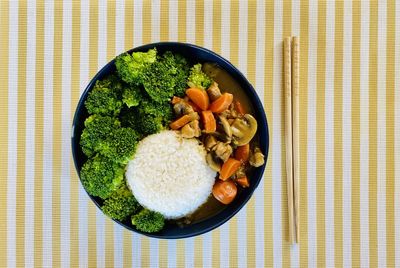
<point x="199" y="97"/>
<point x="209" y="123"/>
<point x="242" y="153"/>
<point x="222" y="103"/>
<point x="229" y="168"/>
<point x="243" y="181"/>
<point x="239" y="108"/>
<point x="180" y="122"/>
<point x="224" y="191"/>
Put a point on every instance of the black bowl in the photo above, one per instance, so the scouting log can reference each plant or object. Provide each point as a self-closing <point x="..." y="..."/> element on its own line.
<point x="194" y="54"/>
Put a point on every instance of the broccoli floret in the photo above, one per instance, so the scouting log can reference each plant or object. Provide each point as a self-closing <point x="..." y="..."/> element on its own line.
<point x="148" y="221"/>
<point x="131" y="96"/>
<point x="101" y="176"/>
<point x="198" y="78"/>
<point x="131" y="67"/>
<point x="104" y="98"/>
<point x="97" y="131"/>
<point x="121" y="204"/>
<point x="121" y="145"/>
<point x="144" y="124"/>
<point x="166" y="77"/>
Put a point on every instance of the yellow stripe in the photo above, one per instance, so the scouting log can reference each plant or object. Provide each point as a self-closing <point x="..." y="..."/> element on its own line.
<point x="268" y="104"/>
<point x="164" y="21"/>
<point x="146" y="22"/>
<point x="20" y="194"/>
<point x="180" y="249"/>
<point x="181" y="21"/>
<point x="39" y="133"/>
<point x="321" y="134"/>
<point x="109" y="224"/>
<point x="127" y="256"/>
<point x="163" y="253"/>
<point x="390" y="154"/>
<point x="93" y="48"/>
<point x="145" y="250"/>
<point x="286" y="31"/>
<point x="57" y="103"/>
<point x="234" y="50"/>
<point x="338" y="151"/>
<point x="199" y="22"/>
<point x="3" y="126"/>
<point x="373" y="89"/>
<point x="129" y="6"/>
<point x="75" y="86"/>
<point x="251" y="67"/>
<point x="303" y="98"/>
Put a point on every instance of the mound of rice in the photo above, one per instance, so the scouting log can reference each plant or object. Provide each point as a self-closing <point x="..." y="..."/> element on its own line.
<point x="170" y="175"/>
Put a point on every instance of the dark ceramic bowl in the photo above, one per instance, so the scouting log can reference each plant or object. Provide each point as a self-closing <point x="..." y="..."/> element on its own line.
<point x="194" y="54"/>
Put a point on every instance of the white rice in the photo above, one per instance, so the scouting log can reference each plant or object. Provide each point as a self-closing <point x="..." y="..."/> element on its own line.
<point x="170" y="175"/>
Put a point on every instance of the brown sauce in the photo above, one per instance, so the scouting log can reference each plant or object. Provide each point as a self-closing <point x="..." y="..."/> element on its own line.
<point x="226" y="84"/>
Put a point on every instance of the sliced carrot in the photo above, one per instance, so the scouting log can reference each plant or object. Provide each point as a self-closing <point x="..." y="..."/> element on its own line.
<point x="175" y="100"/>
<point x="243" y="181"/>
<point x="209" y="123"/>
<point x="180" y="122"/>
<point x="229" y="168"/>
<point x="239" y="108"/>
<point x="224" y="191"/>
<point x="222" y="103"/>
<point x="199" y="97"/>
<point x="242" y="153"/>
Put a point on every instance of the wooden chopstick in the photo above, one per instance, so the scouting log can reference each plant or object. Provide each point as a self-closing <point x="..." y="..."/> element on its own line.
<point x="288" y="133"/>
<point x="296" y="129"/>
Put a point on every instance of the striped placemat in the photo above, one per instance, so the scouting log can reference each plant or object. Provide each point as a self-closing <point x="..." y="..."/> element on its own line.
<point x="349" y="135"/>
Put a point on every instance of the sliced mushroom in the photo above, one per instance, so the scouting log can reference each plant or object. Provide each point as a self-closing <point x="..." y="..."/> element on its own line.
<point x="244" y="129"/>
<point x="212" y="163"/>
<point x="223" y="151"/>
<point x="209" y="142"/>
<point x="191" y="130"/>
<point x="213" y="91"/>
<point x="256" y="158"/>
<point x="225" y="125"/>
<point x="182" y="108"/>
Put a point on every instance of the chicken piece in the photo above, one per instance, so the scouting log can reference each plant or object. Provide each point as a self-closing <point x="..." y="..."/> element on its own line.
<point x="209" y="142"/>
<point x="213" y="91"/>
<point x="182" y="108"/>
<point x="223" y="151"/>
<point x="256" y="158"/>
<point x="240" y="172"/>
<point x="191" y="130"/>
<point x="230" y="113"/>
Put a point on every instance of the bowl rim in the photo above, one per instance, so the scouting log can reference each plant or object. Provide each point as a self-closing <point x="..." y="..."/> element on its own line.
<point x="258" y="107"/>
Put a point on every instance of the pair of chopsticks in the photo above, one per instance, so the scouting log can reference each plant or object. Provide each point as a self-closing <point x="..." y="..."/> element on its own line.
<point x="291" y="55"/>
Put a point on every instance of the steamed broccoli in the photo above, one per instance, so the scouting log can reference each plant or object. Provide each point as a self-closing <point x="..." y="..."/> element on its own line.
<point x="121" y="145"/>
<point x="166" y="77"/>
<point x="131" y="96"/>
<point x="121" y="204"/>
<point x="131" y="67"/>
<point x="104" y="98"/>
<point x="198" y="78"/>
<point x="97" y="131"/>
<point x="101" y="176"/>
<point x="148" y="221"/>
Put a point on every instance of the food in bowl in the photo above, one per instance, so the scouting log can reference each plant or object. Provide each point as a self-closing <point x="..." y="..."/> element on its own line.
<point x="167" y="141"/>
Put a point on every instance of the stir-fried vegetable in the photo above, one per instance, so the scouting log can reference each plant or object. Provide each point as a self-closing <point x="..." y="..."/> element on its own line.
<point x="224" y="191"/>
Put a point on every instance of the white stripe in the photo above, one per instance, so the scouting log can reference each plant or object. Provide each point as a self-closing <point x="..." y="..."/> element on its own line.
<point x="294" y="249"/>
<point x="136" y="250"/>
<point x="189" y="252"/>
<point x="276" y="136"/>
<point x="381" y="139"/>
<point x="259" y="84"/>
<point x="173" y="20"/>
<point x="208" y="24"/>
<point x="84" y="76"/>
<point x="397" y="139"/>
<point x="346" y="133"/>
<point x="154" y="249"/>
<point x="311" y="137"/>
<point x="12" y="131"/>
<point x="207" y="255"/>
<point x="172" y="253"/>
<point x="155" y="20"/>
<point x="364" y="135"/>
<point x="225" y="52"/>
<point x="190" y="21"/>
<point x="137" y="17"/>
<point x="329" y="135"/>
<point x="48" y="135"/>
<point x="101" y="61"/>
<point x="30" y="136"/>
<point x="66" y="126"/>
<point x="118" y="245"/>
<point x="242" y="64"/>
<point x="119" y="26"/>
